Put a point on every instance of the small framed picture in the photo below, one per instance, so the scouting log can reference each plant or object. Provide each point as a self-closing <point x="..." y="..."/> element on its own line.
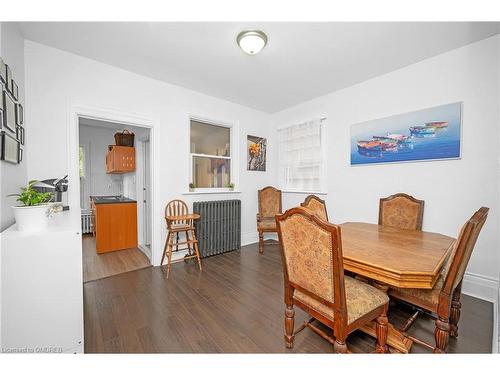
<point x="20" y="134"/>
<point x="1" y="116"/>
<point x="9" y="113"/>
<point x="8" y="78"/>
<point x="1" y="96"/>
<point x="10" y="148"/>
<point x="15" y="90"/>
<point x="20" y="156"/>
<point x="3" y="71"/>
<point x="19" y="114"/>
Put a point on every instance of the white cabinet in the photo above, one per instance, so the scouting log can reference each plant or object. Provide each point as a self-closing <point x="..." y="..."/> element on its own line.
<point x="42" y="288"/>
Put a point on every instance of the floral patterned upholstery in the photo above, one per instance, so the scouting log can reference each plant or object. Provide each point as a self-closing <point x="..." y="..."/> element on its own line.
<point x="267" y="223"/>
<point x="317" y="208"/>
<point x="308" y="255"/>
<point x="401" y="212"/>
<point x="361" y="299"/>
<point x="269" y="202"/>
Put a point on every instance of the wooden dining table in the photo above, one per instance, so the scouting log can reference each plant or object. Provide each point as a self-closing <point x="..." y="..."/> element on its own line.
<point x="390" y="256"/>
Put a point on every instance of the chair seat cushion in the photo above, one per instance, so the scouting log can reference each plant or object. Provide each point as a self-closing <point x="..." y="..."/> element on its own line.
<point x="268" y="223"/>
<point x="425" y="298"/>
<point x="361" y="299"/>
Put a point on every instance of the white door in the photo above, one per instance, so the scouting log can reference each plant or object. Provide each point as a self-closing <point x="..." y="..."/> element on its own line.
<point x="147" y="193"/>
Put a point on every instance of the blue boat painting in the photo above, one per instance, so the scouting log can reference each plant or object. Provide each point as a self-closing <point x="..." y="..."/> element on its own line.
<point x="427" y="134"/>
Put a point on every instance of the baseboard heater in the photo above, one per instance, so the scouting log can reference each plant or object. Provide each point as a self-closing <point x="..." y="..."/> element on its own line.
<point x="219" y="228"/>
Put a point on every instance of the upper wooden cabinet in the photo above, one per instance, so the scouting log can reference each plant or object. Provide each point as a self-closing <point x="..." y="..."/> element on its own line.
<point x="120" y="159"/>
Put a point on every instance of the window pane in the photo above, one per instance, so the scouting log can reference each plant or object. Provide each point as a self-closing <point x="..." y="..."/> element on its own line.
<point x="210" y="139"/>
<point x="211" y="172"/>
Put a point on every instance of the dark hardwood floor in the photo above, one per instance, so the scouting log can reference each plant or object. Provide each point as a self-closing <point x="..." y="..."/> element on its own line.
<point x="235" y="305"/>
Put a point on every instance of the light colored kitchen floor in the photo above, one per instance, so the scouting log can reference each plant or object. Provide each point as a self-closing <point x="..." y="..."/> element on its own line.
<point x="98" y="266"/>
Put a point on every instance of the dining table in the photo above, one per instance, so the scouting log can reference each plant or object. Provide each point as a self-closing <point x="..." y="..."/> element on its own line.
<point x="394" y="257"/>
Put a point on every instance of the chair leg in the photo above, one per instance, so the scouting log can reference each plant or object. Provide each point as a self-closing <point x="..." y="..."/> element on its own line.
<point x="381" y="330"/>
<point x="289" y="324"/>
<point x="196" y="249"/>
<point x="165" y="248"/>
<point x="441" y="334"/>
<point x="170" y="248"/>
<point x="190" y="249"/>
<point x="340" y="346"/>
<point x="455" y="312"/>
<point x="261" y="242"/>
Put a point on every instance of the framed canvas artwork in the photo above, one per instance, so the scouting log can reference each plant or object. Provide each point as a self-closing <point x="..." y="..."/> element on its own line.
<point x="427" y="134"/>
<point x="9" y="112"/>
<point x="256" y="153"/>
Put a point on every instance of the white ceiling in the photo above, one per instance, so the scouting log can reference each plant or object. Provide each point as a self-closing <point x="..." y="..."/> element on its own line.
<point x="300" y="62"/>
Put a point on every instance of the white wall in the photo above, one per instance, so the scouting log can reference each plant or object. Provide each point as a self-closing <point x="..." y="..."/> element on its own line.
<point x="13" y="176"/>
<point x="95" y="140"/>
<point x="452" y="190"/>
<point x="57" y="80"/>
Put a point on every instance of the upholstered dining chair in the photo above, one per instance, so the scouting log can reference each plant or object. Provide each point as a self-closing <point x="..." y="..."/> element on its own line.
<point x="401" y="210"/>
<point x="443" y="301"/>
<point x="269" y="207"/>
<point x="316" y="205"/>
<point x="314" y="281"/>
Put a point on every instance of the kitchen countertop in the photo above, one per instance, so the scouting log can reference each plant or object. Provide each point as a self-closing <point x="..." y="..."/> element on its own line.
<point x="111" y="199"/>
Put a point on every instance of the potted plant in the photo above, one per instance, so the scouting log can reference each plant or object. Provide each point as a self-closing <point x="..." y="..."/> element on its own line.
<point x="230" y="186"/>
<point x="33" y="214"/>
<point x="192" y="186"/>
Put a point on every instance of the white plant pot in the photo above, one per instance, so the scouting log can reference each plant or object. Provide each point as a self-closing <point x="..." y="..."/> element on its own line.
<point x="32" y="218"/>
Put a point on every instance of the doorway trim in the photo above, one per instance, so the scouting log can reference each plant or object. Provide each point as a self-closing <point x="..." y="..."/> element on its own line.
<point x="123" y="117"/>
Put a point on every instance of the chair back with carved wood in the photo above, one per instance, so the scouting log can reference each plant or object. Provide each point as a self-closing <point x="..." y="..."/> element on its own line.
<point x="317" y="206"/>
<point x="176" y="207"/>
<point x="269" y="202"/>
<point x="401" y="211"/>
<point x="460" y="255"/>
<point x="312" y="259"/>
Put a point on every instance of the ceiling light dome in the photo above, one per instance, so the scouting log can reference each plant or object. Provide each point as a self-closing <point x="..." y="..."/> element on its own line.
<point x="252" y="41"/>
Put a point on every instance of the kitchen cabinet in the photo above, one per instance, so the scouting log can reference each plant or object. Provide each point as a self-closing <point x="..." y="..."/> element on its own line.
<point x="115" y="222"/>
<point x="120" y="159"/>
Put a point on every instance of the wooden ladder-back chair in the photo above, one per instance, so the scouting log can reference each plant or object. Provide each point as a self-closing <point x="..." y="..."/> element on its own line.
<point x="401" y="210"/>
<point x="443" y="301"/>
<point x="269" y="207"/>
<point x="314" y="281"/>
<point x="316" y="205"/>
<point x="178" y="208"/>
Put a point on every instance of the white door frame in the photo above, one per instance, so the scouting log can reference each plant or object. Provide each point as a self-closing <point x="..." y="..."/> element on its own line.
<point x="125" y="118"/>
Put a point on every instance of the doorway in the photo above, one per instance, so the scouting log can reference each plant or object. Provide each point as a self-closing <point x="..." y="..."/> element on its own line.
<point x="114" y="202"/>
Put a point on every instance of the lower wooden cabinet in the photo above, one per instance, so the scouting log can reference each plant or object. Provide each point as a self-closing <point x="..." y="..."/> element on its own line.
<point x="120" y="159"/>
<point x="115" y="226"/>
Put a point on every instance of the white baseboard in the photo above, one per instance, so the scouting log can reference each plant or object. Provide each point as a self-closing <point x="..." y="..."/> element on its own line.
<point x="249" y="238"/>
<point x="480" y="286"/>
<point x="147" y="251"/>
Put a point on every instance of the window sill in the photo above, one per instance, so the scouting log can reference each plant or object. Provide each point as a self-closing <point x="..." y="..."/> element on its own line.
<point x="305" y="192"/>
<point x="209" y="191"/>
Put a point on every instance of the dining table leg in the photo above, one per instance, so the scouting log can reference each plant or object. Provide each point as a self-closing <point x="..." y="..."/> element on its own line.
<point x="395" y="338"/>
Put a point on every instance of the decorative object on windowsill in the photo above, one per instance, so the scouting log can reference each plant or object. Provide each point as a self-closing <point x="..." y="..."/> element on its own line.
<point x="256" y="155"/>
<point x="192" y="186"/>
<point x="427" y="134"/>
<point x="35" y="210"/>
<point x="10" y="148"/>
<point x="125" y="138"/>
<point x="230" y="186"/>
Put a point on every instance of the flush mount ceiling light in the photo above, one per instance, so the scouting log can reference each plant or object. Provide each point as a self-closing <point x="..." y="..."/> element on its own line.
<point x="252" y="41"/>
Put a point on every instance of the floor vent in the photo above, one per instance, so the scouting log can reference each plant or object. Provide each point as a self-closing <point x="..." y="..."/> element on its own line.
<point x="219" y="228"/>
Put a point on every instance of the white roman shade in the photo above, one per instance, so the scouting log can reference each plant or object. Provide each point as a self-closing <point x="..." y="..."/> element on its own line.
<point x="301" y="157"/>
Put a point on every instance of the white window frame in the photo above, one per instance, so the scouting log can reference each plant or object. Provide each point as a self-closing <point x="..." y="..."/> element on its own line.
<point x="233" y="150"/>
<point x="323" y="188"/>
